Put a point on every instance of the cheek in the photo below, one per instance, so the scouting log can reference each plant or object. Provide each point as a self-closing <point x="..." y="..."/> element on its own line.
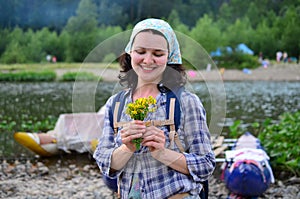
<point x="162" y="61"/>
<point x="136" y="58"/>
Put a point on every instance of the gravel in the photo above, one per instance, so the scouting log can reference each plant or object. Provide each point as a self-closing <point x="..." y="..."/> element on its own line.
<point x="80" y="177"/>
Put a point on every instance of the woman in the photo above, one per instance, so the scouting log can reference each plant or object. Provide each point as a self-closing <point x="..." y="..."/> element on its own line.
<point x="153" y="58"/>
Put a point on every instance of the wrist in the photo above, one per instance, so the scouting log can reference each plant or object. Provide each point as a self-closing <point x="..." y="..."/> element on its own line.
<point x="124" y="148"/>
<point x="120" y="157"/>
<point x="166" y="156"/>
<point x="159" y="153"/>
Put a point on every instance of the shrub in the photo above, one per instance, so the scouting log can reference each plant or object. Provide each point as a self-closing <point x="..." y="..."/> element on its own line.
<point x="79" y="76"/>
<point x="281" y="141"/>
<point x="14" y="53"/>
<point x="237" y="61"/>
<point x="28" y="76"/>
<point x="27" y="124"/>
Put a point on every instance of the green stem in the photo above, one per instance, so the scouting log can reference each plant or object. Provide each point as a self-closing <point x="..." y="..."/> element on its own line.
<point x="137" y="143"/>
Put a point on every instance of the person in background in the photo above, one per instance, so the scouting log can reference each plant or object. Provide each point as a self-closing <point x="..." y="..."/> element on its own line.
<point x="278" y="56"/>
<point x="260" y="57"/>
<point x="152" y="66"/>
<point x="54" y="60"/>
<point x="285" y="57"/>
<point x="48" y="58"/>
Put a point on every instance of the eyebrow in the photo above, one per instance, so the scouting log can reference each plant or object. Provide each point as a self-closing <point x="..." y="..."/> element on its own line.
<point x="139" y="47"/>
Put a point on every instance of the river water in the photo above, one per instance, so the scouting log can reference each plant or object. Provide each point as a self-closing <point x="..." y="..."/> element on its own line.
<point x="248" y="101"/>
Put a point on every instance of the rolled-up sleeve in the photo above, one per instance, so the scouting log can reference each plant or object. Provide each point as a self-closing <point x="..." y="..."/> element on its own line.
<point x="199" y="156"/>
<point x="106" y="144"/>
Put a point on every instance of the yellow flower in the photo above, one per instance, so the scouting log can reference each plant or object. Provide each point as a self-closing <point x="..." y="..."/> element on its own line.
<point x="138" y="110"/>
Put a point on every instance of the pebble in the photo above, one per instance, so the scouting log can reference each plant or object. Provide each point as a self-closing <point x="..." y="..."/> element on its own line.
<point x="38" y="181"/>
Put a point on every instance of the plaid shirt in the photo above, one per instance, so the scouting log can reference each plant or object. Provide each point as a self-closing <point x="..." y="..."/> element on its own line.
<point x="157" y="180"/>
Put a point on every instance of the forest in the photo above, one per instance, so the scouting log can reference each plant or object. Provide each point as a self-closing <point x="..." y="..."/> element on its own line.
<point x="70" y="29"/>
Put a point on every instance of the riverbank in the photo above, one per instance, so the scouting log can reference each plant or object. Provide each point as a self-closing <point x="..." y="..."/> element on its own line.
<point x="66" y="177"/>
<point x="109" y="73"/>
<point x="77" y="176"/>
<point x="275" y="72"/>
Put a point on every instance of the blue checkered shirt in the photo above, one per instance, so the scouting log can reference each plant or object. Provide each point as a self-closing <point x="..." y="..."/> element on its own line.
<point x="157" y="180"/>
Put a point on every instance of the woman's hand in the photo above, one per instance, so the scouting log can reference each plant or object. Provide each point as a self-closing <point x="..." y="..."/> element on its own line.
<point x="133" y="130"/>
<point x="154" y="138"/>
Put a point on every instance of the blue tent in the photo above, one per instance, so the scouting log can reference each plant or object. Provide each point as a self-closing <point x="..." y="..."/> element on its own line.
<point x="244" y="49"/>
<point x="220" y="50"/>
<point x="240" y="48"/>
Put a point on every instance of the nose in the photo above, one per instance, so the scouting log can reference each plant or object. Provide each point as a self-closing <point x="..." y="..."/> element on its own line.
<point x="148" y="59"/>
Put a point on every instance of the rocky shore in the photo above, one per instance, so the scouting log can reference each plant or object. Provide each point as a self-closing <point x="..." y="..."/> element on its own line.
<point x="78" y="177"/>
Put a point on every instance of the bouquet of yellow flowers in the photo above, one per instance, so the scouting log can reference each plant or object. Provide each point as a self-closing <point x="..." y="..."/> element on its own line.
<point x="138" y="110"/>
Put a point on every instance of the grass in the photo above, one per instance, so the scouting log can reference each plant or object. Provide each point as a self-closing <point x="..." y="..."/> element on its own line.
<point x="46" y="71"/>
<point x="27" y="76"/>
<point x="53" y="66"/>
<point x="79" y="76"/>
<point x="279" y="139"/>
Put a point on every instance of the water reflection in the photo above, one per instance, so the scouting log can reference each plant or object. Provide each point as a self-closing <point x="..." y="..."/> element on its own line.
<point x="254" y="101"/>
<point x="247" y="101"/>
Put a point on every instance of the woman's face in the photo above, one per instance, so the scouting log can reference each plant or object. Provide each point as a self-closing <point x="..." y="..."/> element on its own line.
<point x="149" y="57"/>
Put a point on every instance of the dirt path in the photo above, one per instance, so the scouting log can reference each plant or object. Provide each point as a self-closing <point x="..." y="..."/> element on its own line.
<point x="278" y="72"/>
<point x="282" y="72"/>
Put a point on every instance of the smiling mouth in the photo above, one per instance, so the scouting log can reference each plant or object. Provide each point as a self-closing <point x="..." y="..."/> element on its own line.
<point x="147" y="68"/>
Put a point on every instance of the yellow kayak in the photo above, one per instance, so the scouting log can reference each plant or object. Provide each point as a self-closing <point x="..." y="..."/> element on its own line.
<point x="31" y="142"/>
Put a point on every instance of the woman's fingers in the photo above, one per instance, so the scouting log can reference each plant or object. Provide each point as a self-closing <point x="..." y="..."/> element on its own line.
<point x="154" y="133"/>
<point x="132" y="130"/>
<point x="154" y="138"/>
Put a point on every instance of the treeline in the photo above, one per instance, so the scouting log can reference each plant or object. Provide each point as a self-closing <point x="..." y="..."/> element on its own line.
<point x="69" y="29"/>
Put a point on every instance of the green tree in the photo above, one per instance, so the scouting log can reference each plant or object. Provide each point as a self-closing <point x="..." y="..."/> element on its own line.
<point x="112" y="46"/>
<point x="49" y="41"/>
<point x="146" y="8"/>
<point x="63" y="40"/>
<point x="291" y="31"/>
<point x="237" y="20"/>
<point x="83" y="28"/>
<point x="174" y="19"/>
<point x="111" y="14"/>
<point x="239" y="32"/>
<point x="224" y="16"/>
<point x="190" y="11"/>
<point x="208" y="36"/>
<point x="15" y="50"/>
<point x="177" y="25"/>
<point x="4" y="40"/>
<point x="207" y="33"/>
<point x="263" y="40"/>
<point x="253" y="13"/>
<point x="13" y="54"/>
<point x="33" y="52"/>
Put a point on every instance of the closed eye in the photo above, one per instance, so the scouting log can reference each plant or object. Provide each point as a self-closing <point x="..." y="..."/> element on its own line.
<point x="156" y="53"/>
